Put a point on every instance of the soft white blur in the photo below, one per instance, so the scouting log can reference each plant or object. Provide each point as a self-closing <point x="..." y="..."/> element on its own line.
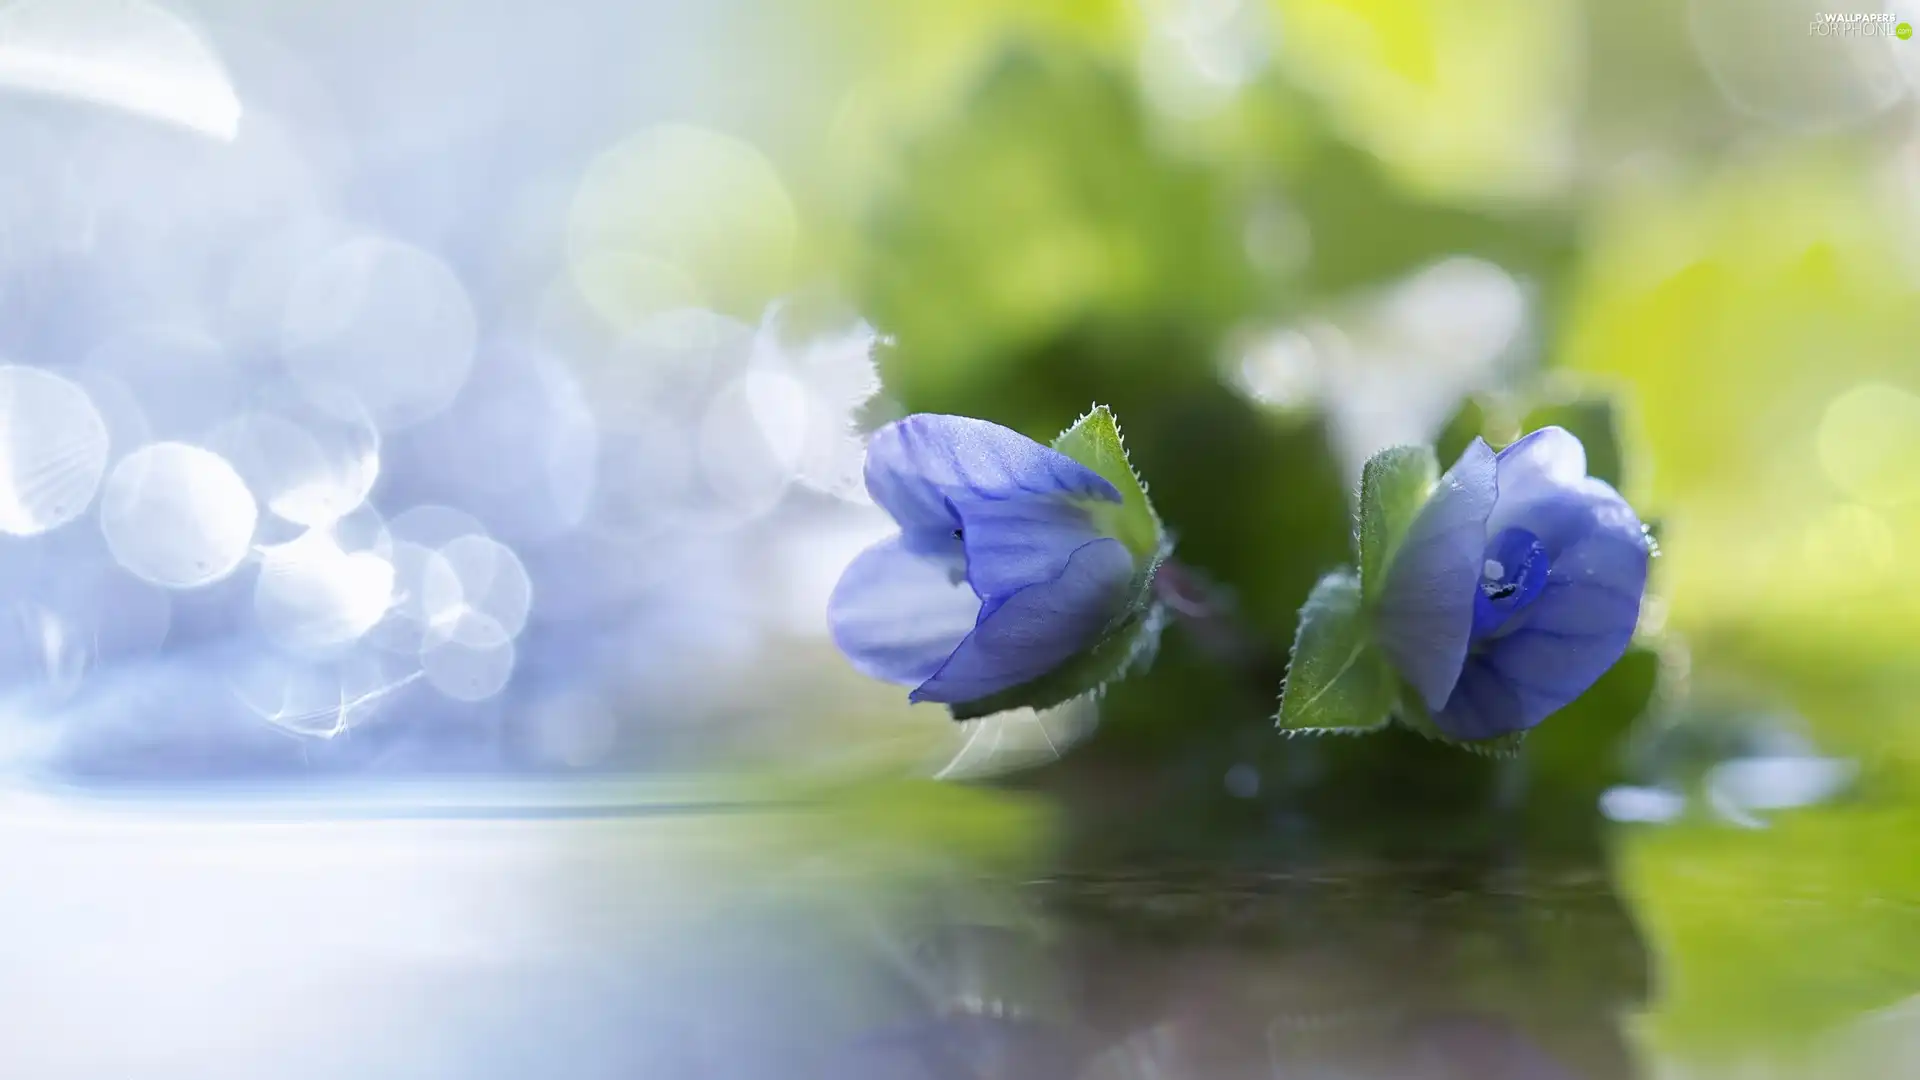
<point x="1390" y="368"/>
<point x="125" y="54"/>
<point x="400" y="388"/>
<point x="418" y="933"/>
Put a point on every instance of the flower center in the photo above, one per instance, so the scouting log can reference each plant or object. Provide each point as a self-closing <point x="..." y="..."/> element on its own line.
<point x="1513" y="574"/>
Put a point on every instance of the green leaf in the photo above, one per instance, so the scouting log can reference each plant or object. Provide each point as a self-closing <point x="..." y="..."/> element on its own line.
<point x="1130" y="640"/>
<point x="1337" y="681"/>
<point x="1595" y="421"/>
<point x="1094" y="441"/>
<point x="1394" y="485"/>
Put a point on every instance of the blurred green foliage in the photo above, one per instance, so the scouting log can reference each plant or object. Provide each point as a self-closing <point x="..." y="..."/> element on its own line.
<point x="1047" y="241"/>
<point x="1744" y="311"/>
<point x="1769" y="938"/>
<point x="1041" y="253"/>
<point x="1593" y="415"/>
<point x="1044" y="206"/>
<point x="1721" y="308"/>
<point x="1466" y="99"/>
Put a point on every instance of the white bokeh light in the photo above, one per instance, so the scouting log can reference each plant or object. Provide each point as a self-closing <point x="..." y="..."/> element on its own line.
<point x="251" y="307"/>
<point x="472" y="661"/>
<point x="570" y="467"/>
<point x="1199" y="53"/>
<point x="784" y="411"/>
<point x="678" y="215"/>
<point x="53" y="450"/>
<point x="320" y="701"/>
<point x="310" y="473"/>
<point x="673" y="361"/>
<point x="181" y="377"/>
<point x="1392" y="366"/>
<point x="433" y="525"/>
<point x="427" y="590"/>
<point x="313" y="595"/>
<point x="379" y="325"/>
<point x="177" y="515"/>
<point x="120" y="408"/>
<point x="740" y="459"/>
<point x="1768" y="63"/>
<point x="1777" y="782"/>
<point x="126" y="54"/>
<point x="419" y="572"/>
<point x="805" y="396"/>
<point x="460" y="597"/>
<point x="519" y="445"/>
<point x="477" y="573"/>
<point x="1869" y="443"/>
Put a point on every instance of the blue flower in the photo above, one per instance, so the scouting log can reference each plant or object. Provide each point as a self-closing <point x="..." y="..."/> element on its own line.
<point x="1516" y="587"/>
<point x="1007" y="563"/>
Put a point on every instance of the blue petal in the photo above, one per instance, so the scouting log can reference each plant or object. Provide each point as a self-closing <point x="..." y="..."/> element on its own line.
<point x="1566" y="517"/>
<point x="1020" y="542"/>
<point x="1576" y="629"/>
<point x="898" y="612"/>
<point x="922" y="468"/>
<point x="1037" y="628"/>
<point x="1426" y="606"/>
<point x="1484" y="705"/>
<point x="1538" y="467"/>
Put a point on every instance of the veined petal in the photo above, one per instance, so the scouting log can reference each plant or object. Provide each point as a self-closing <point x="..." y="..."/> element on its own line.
<point x="1538" y="467"/>
<point x="1425" y="612"/>
<point x="898" y="613"/>
<point x="1561" y="643"/>
<point x="1037" y="628"/>
<point x="1020" y="542"/>
<point x="1565" y="516"/>
<point x="920" y="468"/>
<point x="1483" y="705"/>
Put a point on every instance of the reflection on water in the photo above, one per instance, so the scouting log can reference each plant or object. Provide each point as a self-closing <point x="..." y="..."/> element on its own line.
<point x="693" y="929"/>
<point x="891" y="936"/>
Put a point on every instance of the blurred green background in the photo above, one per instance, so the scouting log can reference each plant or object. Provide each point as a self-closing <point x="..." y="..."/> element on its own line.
<point x="1278" y="234"/>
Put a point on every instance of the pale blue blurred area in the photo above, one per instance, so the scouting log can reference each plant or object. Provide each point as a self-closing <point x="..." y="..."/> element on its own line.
<point x="593" y="931"/>
<point x="338" y="937"/>
<point x="323" y="453"/>
<point x="337" y="509"/>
